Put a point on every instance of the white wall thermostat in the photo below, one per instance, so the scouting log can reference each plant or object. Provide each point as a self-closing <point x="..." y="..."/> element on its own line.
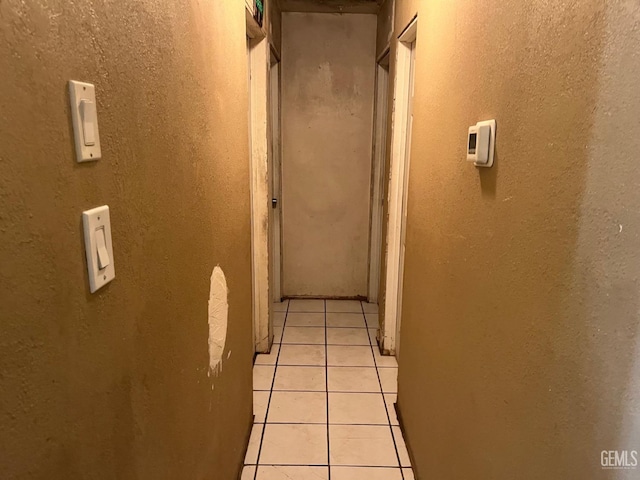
<point x="481" y="143"/>
<point x="85" y="121"/>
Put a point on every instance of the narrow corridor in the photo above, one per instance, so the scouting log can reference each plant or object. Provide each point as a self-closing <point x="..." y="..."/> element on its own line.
<point x="169" y="169"/>
<point x="324" y="398"/>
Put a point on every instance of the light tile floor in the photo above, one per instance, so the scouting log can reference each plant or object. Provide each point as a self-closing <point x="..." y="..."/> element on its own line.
<point x="324" y="398"/>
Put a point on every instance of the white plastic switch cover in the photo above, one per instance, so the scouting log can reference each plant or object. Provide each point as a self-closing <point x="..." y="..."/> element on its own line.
<point x="101" y="246"/>
<point x="88" y="114"/>
<point x="481" y="143"/>
<point x="85" y="121"/>
<point x="98" y="247"/>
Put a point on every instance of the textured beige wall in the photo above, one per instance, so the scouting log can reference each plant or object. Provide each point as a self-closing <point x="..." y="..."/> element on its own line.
<point x="275" y="24"/>
<point x="520" y="343"/>
<point x="385" y="26"/>
<point x="405" y="11"/>
<point x="328" y="72"/>
<point x="114" y="385"/>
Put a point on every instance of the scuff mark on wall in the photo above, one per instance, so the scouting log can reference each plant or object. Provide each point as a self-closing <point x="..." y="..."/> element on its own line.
<point x="218" y="314"/>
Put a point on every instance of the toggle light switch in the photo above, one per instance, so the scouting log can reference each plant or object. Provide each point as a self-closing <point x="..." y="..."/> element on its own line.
<point x="85" y="121"/>
<point x="88" y="114"/>
<point x="98" y="248"/>
<point x="101" y="246"/>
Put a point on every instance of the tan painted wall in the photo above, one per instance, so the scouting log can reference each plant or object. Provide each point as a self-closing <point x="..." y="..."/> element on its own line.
<point x="385" y="26"/>
<point x="328" y="72"/>
<point x="520" y="342"/>
<point x="114" y="385"/>
<point x="405" y="11"/>
<point x="275" y="24"/>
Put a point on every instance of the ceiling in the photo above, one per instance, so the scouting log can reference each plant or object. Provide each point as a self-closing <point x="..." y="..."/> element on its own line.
<point x="331" y="6"/>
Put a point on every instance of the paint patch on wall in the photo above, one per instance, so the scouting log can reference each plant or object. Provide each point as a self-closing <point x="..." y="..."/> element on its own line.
<point x="218" y="315"/>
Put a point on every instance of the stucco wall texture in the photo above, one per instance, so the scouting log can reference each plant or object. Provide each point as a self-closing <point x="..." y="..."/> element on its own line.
<point x="520" y="345"/>
<point x="385" y="26"/>
<point x="328" y="68"/>
<point x="275" y="24"/>
<point x="115" y="385"/>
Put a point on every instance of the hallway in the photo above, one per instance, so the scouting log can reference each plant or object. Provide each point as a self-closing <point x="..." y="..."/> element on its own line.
<point x="324" y="398"/>
<point x="469" y="170"/>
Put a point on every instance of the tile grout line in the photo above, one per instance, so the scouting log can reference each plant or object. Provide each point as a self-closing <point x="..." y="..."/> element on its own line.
<point x="326" y="386"/>
<point x="318" y="465"/>
<point x="339" y="423"/>
<point x="273" y="381"/>
<point x="322" y="391"/>
<point x="386" y="408"/>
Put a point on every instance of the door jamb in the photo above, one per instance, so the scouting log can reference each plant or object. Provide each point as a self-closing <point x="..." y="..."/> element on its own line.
<point x="275" y="172"/>
<point x="377" y="179"/>
<point x="399" y="148"/>
<point x="259" y="58"/>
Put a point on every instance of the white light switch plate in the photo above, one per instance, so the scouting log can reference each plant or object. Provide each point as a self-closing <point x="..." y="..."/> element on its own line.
<point x="95" y="223"/>
<point x="85" y="121"/>
<point x="492" y="142"/>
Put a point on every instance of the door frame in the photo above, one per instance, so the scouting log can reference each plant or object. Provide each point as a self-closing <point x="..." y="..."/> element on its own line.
<point x="398" y="183"/>
<point x="381" y="110"/>
<point x="259" y="54"/>
<point x="275" y="180"/>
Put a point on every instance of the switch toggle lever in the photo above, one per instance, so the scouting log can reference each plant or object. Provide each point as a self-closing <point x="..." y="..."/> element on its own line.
<point x="88" y="114"/>
<point x="101" y="246"/>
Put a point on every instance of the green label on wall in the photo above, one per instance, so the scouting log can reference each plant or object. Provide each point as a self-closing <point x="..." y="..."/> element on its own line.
<point x="259" y="6"/>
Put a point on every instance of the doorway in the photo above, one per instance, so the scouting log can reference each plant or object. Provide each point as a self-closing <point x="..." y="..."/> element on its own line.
<point x="398" y="184"/>
<point x="377" y="179"/>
